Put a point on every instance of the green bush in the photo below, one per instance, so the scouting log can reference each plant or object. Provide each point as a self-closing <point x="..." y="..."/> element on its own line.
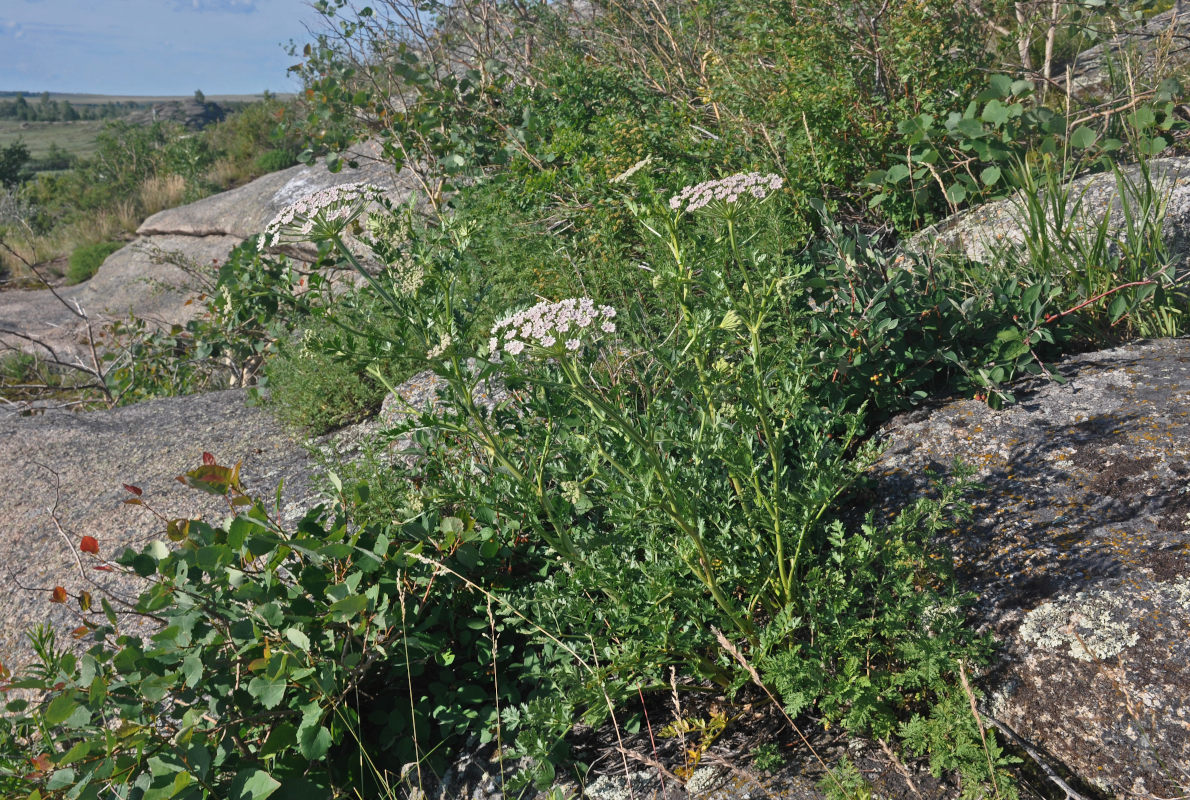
<point x="274" y="160"/>
<point x="86" y="260"/>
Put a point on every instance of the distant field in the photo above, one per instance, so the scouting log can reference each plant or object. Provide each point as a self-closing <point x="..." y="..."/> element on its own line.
<point x="79" y="137"/>
<point x="73" y="137"/>
<point x="100" y="99"/>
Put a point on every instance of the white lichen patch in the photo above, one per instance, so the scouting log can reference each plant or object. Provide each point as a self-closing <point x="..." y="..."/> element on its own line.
<point x="1100" y="623"/>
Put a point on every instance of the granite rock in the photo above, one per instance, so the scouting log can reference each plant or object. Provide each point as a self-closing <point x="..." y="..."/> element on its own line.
<point x="64" y="472"/>
<point x="1079" y="555"/>
<point x="985" y="232"/>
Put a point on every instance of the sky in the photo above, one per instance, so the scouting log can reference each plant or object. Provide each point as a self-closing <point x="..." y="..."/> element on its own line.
<point x="151" y="47"/>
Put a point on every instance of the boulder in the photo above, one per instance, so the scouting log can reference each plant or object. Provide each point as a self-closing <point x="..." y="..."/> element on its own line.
<point x="64" y="474"/>
<point x="189" y="113"/>
<point x="986" y="231"/>
<point x="133" y="280"/>
<point x="245" y="211"/>
<point x="1079" y="555"/>
<point x="201" y="233"/>
<point x="1150" y="52"/>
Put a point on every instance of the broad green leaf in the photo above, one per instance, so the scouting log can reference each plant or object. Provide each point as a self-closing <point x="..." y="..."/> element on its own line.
<point x="990" y="175"/>
<point x="60" y="709"/>
<point x="268" y="691"/>
<point x="1117" y="308"/>
<point x="897" y="173"/>
<point x="60" y="779"/>
<point x="994" y="113"/>
<point x="349" y="606"/>
<point x="1082" y="137"/>
<point x="299" y="639"/>
<point x="252" y="784"/>
<point x="313" y="741"/>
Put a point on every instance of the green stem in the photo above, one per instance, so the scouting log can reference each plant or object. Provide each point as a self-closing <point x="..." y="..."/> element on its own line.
<point x="705" y="570"/>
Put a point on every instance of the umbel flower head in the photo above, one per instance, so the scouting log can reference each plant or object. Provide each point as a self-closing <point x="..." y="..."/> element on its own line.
<point x="560" y="326"/>
<point x="321" y="216"/>
<point x="728" y="191"/>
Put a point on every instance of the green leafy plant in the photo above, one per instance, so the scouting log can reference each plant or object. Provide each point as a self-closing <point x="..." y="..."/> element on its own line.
<point x="86" y="260"/>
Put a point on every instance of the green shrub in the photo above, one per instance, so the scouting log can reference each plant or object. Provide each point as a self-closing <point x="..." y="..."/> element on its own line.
<point x="318" y="392"/>
<point x="86" y="260"/>
<point x="274" y="160"/>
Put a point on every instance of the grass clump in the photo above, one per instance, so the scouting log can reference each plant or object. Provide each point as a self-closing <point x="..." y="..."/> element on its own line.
<point x="86" y="260"/>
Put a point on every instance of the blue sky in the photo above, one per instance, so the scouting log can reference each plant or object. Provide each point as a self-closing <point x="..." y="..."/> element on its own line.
<point x="150" y="47"/>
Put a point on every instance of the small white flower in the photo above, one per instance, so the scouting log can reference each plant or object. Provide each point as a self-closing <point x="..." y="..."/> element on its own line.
<point x="440" y="348"/>
<point x="727" y="190"/>
<point x="322" y="215"/>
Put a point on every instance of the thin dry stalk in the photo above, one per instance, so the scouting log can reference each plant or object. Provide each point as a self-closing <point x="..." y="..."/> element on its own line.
<point x="979" y="724"/>
<point x="496" y="687"/>
<point x="1071" y="794"/>
<point x="409" y="683"/>
<point x="899" y="766"/>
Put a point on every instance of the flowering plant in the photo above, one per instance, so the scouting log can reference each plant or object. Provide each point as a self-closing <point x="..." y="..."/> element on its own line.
<point x="551" y="326"/>
<point x="322" y="216"/>
<point x="726" y="193"/>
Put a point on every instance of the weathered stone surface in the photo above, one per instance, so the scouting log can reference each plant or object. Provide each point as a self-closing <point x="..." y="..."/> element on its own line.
<point x="76" y="463"/>
<point x="245" y="211"/>
<point x="984" y="233"/>
<point x="1151" y="52"/>
<point x="131" y="281"/>
<point x="202" y="233"/>
<point x="188" y="112"/>
<point x="1079" y="553"/>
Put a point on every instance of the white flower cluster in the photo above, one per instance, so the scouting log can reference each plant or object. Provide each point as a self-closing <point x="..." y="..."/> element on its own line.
<point x="440" y="348"/>
<point x="407" y="274"/>
<point x="546" y="324"/>
<point x="727" y="190"/>
<point x="321" y="215"/>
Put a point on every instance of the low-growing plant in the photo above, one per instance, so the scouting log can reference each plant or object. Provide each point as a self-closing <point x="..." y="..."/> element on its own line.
<point x="616" y="461"/>
<point x="995" y="145"/>
<point x="86" y="260"/>
<point x="274" y="160"/>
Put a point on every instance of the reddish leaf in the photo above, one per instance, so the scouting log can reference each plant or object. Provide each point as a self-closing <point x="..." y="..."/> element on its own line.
<point x="136" y="490"/>
<point x="212" y="478"/>
<point x="59" y="595"/>
<point x="90" y="545"/>
<point x="208" y="459"/>
<point x="42" y="762"/>
<point x="103" y="568"/>
<point x="80" y="631"/>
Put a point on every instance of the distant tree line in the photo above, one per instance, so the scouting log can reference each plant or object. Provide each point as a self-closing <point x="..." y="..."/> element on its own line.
<point x="47" y="110"/>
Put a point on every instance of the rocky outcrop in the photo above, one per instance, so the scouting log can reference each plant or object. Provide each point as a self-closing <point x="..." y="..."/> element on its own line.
<point x="1079" y="554"/>
<point x="984" y="233"/>
<point x="132" y="280"/>
<point x="189" y="113"/>
<point x="245" y="211"/>
<point x="1149" y="53"/>
<point x="63" y="475"/>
